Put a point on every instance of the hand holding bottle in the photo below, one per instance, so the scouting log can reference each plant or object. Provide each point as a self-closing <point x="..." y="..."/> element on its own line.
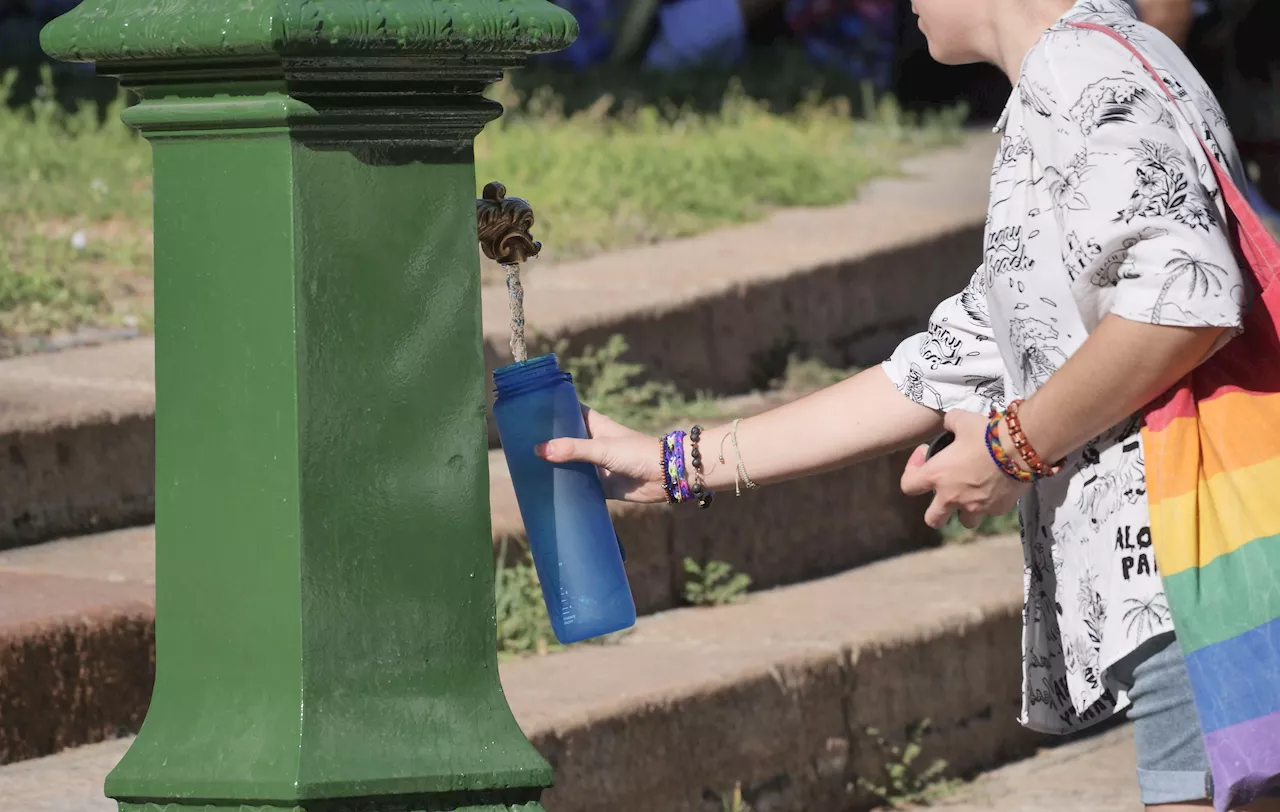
<point x="629" y="461"/>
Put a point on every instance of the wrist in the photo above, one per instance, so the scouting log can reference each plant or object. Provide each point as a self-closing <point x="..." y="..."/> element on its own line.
<point x="1033" y="429"/>
<point x="720" y="450"/>
<point x="1025" y="454"/>
<point x="1006" y="442"/>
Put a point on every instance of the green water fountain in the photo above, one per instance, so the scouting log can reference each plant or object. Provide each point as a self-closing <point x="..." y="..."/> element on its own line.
<point x="324" y="572"/>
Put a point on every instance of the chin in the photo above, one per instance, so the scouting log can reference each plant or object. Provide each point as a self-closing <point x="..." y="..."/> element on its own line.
<point x="946" y="56"/>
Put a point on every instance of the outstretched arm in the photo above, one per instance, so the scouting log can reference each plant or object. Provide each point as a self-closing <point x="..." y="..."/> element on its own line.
<point x="856" y="419"/>
<point x="954" y="365"/>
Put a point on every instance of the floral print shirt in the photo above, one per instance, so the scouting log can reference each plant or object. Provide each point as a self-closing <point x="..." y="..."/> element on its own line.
<point x="1102" y="201"/>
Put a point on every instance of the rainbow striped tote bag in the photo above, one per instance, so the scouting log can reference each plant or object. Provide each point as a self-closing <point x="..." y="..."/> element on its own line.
<point x="1212" y="449"/>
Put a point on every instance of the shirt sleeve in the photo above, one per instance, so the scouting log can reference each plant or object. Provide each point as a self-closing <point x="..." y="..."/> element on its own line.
<point x="955" y="363"/>
<point x="1140" y="208"/>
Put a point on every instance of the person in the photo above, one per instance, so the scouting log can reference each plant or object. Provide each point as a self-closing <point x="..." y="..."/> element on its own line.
<point x="857" y="37"/>
<point x="1106" y="277"/>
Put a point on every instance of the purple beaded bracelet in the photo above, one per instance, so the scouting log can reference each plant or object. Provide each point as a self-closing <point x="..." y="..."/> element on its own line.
<point x="675" y="480"/>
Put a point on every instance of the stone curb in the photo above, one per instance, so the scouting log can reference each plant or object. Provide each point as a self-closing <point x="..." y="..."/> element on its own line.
<point x="775" y="693"/>
<point x="778" y="693"/>
<point x="77" y="427"/>
<point x="77" y="441"/>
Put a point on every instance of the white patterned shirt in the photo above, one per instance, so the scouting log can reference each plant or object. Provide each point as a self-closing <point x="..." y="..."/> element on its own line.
<point x="1102" y="201"/>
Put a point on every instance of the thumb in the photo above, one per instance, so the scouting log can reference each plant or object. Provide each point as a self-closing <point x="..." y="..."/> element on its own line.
<point x="568" y="449"/>
<point x="914" y="482"/>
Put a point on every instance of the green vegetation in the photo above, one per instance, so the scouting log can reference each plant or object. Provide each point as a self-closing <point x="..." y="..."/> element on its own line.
<point x="75" y="245"/>
<point x="75" y="235"/>
<point x="714" y="584"/>
<point x="523" y="624"/>
<point x="903" y="782"/>
<point x="733" y="802"/>
<point x="623" y="391"/>
<point x="604" y="177"/>
<point x="956" y="533"/>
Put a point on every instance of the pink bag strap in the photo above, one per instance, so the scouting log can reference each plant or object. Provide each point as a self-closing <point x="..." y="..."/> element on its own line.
<point x="1260" y="249"/>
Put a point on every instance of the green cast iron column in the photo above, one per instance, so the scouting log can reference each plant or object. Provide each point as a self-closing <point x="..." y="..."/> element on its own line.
<point x="324" y="570"/>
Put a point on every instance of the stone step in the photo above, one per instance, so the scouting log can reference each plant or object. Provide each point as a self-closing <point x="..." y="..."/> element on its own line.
<point x="77" y="441"/>
<point x="720" y="312"/>
<point x="775" y="693"/>
<point x="1098" y="774"/>
<point x="780" y="535"/>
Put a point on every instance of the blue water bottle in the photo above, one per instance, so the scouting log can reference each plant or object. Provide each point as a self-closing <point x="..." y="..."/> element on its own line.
<point x="575" y="548"/>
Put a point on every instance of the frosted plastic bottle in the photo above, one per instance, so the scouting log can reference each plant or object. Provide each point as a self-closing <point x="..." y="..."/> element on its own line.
<point x="575" y="548"/>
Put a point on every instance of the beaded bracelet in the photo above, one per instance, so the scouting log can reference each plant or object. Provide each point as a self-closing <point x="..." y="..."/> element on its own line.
<point x="699" y="481"/>
<point x="675" y="481"/>
<point x="1020" y="442"/>
<point x="1006" y="465"/>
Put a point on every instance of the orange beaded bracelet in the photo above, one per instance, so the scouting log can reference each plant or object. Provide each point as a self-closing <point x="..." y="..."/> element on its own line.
<point x="1020" y="442"/>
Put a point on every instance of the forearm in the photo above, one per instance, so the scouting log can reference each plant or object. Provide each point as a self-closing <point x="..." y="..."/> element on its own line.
<point x="857" y="419"/>
<point x="1119" y="369"/>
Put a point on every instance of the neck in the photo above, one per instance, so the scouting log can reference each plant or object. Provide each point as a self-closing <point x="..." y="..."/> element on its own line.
<point x="1016" y="27"/>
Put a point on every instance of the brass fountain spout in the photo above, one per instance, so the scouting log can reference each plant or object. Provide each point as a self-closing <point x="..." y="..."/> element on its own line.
<point x="502" y="225"/>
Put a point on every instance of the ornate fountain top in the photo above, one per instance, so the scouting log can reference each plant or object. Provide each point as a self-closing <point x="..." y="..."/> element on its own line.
<point x="123" y="31"/>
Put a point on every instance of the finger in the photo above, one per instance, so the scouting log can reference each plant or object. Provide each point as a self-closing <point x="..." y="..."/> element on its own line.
<point x="953" y="420"/>
<point x="570" y="450"/>
<point x="916" y="480"/>
<point x="938" y="514"/>
<point x="971" y="521"/>
<point x="602" y="427"/>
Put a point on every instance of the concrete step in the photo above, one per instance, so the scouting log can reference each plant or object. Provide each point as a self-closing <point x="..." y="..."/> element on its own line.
<point x="720" y="312"/>
<point x="1097" y="774"/>
<point x="77" y="613"/>
<point x="77" y="441"/>
<point x="775" y="693"/>
<point x="780" y="535"/>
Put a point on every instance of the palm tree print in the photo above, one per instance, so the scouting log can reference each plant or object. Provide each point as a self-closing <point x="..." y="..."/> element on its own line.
<point x="1203" y="278"/>
<point x="1145" y="616"/>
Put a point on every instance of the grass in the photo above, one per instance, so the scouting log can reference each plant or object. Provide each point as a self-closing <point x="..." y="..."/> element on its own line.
<point x="75" y="238"/>
<point x="905" y="781"/>
<point x="75" y="242"/>
<point x="602" y="178"/>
